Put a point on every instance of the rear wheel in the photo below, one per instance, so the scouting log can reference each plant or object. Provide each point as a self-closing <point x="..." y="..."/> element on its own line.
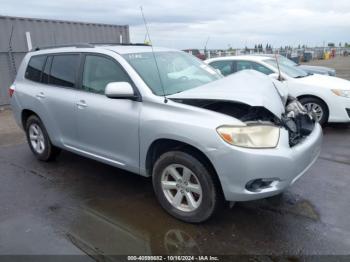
<point x="318" y="107"/>
<point x="39" y="141"/>
<point x="185" y="187"/>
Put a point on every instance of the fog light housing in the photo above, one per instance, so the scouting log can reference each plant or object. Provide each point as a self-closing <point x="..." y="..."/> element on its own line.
<point x="259" y="184"/>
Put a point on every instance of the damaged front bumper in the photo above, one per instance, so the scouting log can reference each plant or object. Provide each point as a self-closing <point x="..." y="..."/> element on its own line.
<point x="297" y="121"/>
<point x="276" y="168"/>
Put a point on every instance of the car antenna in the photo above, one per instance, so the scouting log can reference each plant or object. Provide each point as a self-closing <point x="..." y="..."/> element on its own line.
<point x="278" y="68"/>
<point x="154" y="56"/>
<point x="205" y="46"/>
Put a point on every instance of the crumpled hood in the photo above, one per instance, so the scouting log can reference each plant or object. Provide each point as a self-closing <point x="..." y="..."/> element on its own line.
<point x="329" y="82"/>
<point x="248" y="86"/>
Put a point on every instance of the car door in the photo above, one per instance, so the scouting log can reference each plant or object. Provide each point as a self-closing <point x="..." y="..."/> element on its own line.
<point x="108" y="129"/>
<point x="50" y="93"/>
<point x="59" y="96"/>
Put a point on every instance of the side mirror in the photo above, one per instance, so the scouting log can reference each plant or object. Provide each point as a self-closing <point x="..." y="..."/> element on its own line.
<point x="276" y="76"/>
<point x="119" y="90"/>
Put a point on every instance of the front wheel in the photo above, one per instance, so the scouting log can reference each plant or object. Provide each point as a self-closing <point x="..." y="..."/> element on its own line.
<point x="185" y="187"/>
<point x="317" y="107"/>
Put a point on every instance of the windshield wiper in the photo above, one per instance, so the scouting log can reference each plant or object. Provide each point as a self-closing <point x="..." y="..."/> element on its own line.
<point x="300" y="76"/>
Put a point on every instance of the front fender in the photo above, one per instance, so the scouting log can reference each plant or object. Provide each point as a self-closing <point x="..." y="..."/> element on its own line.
<point x="187" y="124"/>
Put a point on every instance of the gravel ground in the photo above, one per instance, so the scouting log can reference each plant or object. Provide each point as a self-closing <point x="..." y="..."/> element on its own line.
<point x="340" y="63"/>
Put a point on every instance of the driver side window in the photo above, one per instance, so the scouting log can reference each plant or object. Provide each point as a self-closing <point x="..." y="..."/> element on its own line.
<point x="225" y="67"/>
<point x="100" y="71"/>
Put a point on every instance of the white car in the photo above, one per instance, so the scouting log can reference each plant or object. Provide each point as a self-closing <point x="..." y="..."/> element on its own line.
<point x="327" y="96"/>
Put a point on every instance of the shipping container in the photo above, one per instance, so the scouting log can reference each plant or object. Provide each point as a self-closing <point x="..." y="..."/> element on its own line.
<point x="19" y="35"/>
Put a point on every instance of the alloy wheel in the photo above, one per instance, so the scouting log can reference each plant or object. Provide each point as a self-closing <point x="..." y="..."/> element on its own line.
<point x="36" y="137"/>
<point x="181" y="187"/>
<point x="316" y="109"/>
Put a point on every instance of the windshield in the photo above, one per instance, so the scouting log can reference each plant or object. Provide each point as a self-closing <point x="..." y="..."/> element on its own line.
<point x="285" y="61"/>
<point x="291" y="71"/>
<point x="178" y="71"/>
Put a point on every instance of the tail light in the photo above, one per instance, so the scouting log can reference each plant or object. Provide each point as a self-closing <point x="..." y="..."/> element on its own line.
<point x="11" y="90"/>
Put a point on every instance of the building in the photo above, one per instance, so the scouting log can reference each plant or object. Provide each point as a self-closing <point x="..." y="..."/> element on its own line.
<point x="19" y="35"/>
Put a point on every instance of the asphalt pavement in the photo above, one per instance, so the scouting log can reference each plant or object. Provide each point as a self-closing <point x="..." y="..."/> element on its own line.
<point x="77" y="206"/>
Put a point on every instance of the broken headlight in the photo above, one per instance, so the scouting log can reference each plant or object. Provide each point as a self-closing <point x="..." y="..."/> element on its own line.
<point x="257" y="136"/>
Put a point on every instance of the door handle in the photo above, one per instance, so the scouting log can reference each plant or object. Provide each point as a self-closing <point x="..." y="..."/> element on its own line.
<point x="81" y="104"/>
<point x="40" y="95"/>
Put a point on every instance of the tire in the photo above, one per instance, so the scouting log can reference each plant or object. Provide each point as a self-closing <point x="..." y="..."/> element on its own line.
<point x="310" y="102"/>
<point x="39" y="141"/>
<point x="201" y="189"/>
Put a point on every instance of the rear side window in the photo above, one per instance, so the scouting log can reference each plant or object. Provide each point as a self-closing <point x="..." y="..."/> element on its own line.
<point x="35" y="68"/>
<point x="46" y="71"/>
<point x="243" y="65"/>
<point x="64" y="70"/>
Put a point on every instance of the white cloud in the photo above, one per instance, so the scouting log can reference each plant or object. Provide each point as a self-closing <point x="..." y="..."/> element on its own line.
<point x="188" y="23"/>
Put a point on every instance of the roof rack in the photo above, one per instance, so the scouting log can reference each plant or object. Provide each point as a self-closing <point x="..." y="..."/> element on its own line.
<point x="81" y="45"/>
<point x="126" y="44"/>
<point x="87" y="45"/>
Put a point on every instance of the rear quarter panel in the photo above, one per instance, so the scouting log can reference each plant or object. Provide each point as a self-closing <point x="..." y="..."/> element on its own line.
<point x="25" y="99"/>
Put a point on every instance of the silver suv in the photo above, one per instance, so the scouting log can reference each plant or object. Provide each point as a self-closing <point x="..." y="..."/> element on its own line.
<point x="164" y="114"/>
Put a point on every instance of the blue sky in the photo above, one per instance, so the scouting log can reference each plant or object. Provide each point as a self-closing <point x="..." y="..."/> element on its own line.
<point x="187" y="24"/>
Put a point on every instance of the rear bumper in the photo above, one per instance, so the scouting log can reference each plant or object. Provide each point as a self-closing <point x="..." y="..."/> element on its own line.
<point x="237" y="166"/>
<point x="16" y="110"/>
